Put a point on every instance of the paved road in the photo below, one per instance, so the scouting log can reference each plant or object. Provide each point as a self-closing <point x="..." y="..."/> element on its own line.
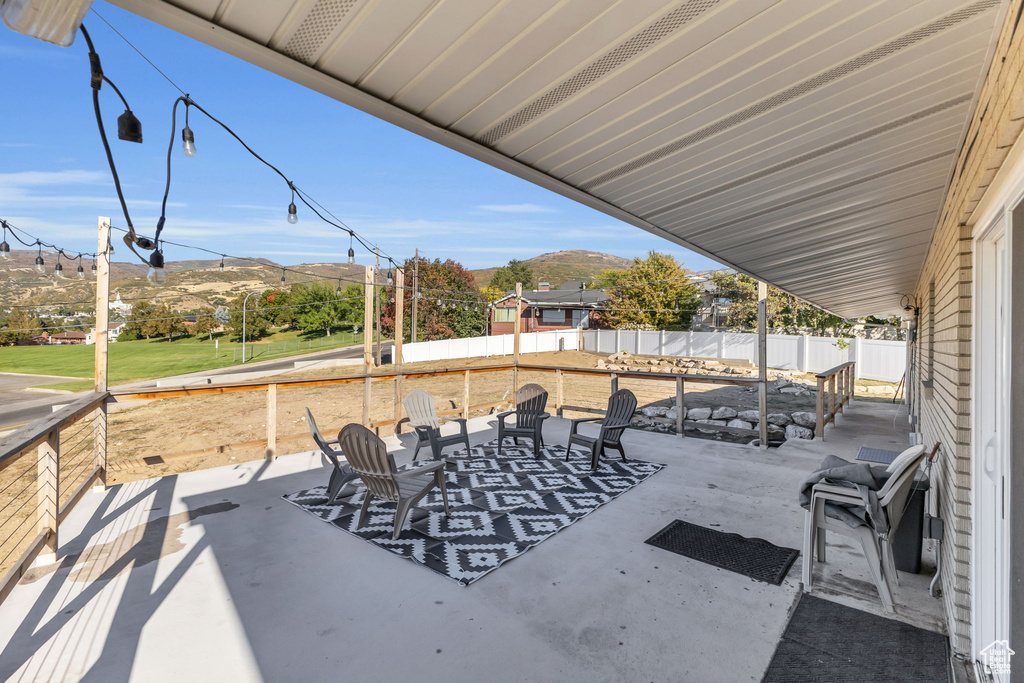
<point x="19" y="407"/>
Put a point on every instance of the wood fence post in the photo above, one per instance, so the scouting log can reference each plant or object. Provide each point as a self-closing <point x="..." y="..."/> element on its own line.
<point x="762" y="363"/>
<point x="680" y="405"/>
<point x="819" y="409"/>
<point x="465" y="394"/>
<point x="48" y="488"/>
<point x="832" y="398"/>
<point x="615" y="382"/>
<point x="368" y="298"/>
<point x="558" y="392"/>
<point x="271" y="421"/>
<point x="396" y="351"/>
<point x="99" y="432"/>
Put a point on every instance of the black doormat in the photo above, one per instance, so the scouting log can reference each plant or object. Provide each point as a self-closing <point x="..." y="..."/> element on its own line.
<point x="751" y="557"/>
<point x="826" y="641"/>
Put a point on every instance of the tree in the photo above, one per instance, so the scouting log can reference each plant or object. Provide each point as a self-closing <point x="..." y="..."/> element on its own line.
<point x="449" y="306"/>
<point x="506" y="277"/>
<point x="608" y="278"/>
<point x="206" y="323"/>
<point x="20" y="324"/>
<point x="653" y="294"/>
<point x="257" y="324"/>
<point x="784" y="310"/>
<point x="165" y="323"/>
<point x="280" y="311"/>
<point x="321" y="309"/>
<point x="137" y="325"/>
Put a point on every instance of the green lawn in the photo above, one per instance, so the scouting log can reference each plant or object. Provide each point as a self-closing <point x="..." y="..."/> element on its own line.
<point x="148" y="359"/>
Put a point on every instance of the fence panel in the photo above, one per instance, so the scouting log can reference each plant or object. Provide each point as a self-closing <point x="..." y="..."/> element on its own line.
<point x="881" y="360"/>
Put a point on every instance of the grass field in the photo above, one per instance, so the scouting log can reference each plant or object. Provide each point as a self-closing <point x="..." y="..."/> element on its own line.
<point x="151" y="358"/>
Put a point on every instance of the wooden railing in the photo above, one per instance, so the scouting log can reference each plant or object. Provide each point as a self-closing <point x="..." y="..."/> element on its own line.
<point x="45" y="468"/>
<point x="835" y="390"/>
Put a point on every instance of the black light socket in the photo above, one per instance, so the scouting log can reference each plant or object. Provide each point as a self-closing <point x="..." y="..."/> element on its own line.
<point x="129" y="128"/>
<point x="156" y="259"/>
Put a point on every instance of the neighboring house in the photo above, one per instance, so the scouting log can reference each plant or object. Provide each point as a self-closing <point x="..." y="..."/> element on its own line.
<point x="113" y="330"/>
<point x="714" y="310"/>
<point x="544" y="309"/>
<point x="121" y="307"/>
<point x="66" y="338"/>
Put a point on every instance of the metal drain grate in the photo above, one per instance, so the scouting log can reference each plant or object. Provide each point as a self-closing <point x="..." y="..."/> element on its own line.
<point x="751" y="557"/>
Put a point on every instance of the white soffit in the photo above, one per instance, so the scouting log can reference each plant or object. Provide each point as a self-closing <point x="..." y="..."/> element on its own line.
<point x="808" y="143"/>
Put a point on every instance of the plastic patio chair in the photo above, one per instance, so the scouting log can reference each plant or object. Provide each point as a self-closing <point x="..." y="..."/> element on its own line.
<point x="370" y="459"/>
<point x="342" y="473"/>
<point x="621" y="406"/>
<point x="530" y="416"/>
<point x="892" y="498"/>
<point x="420" y="407"/>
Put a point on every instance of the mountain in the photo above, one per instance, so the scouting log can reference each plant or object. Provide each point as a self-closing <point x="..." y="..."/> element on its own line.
<point x="562" y="266"/>
<point x="190" y="284"/>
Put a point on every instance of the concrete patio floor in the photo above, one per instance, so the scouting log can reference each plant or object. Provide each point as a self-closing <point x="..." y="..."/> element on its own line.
<point x="211" y="576"/>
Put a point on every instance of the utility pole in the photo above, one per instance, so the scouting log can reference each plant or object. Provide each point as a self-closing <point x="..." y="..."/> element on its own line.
<point x="415" y="291"/>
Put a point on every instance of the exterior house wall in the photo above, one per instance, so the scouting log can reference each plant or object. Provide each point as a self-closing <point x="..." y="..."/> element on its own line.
<point x="942" y="371"/>
<point x="530" y="320"/>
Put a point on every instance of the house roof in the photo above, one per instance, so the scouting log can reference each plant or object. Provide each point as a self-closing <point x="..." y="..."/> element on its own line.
<point x="562" y="297"/>
<point x="807" y="144"/>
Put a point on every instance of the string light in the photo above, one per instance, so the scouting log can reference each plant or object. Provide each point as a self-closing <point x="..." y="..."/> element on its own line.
<point x="58" y="270"/>
<point x="282" y="277"/>
<point x="156" y="273"/>
<point x="5" y="249"/>
<point x="188" y="139"/>
<point x="221" y="266"/>
<point x="80" y="271"/>
<point x="40" y="266"/>
<point x="293" y="213"/>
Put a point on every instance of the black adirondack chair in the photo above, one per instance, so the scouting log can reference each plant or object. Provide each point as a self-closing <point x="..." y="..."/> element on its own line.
<point x="342" y="473"/>
<point x="621" y="406"/>
<point x="530" y="416"/>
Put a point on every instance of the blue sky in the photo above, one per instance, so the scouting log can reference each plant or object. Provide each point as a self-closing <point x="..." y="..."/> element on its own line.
<point x="391" y="186"/>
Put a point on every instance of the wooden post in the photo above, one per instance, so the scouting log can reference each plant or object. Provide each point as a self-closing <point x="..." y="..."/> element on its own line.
<point x="367" y="341"/>
<point x="271" y="421"/>
<point x="47" y="488"/>
<point x="819" y="410"/>
<point x="102" y="304"/>
<point x="415" y="295"/>
<point x="465" y="394"/>
<point x="680" y="406"/>
<point x="396" y="352"/>
<point x="558" y="392"/>
<point x="100" y="342"/>
<point x="853" y="382"/>
<point x="841" y="380"/>
<point x="376" y="309"/>
<point x="832" y="397"/>
<point x="615" y="382"/>
<point x="515" y="337"/>
<point x="762" y="363"/>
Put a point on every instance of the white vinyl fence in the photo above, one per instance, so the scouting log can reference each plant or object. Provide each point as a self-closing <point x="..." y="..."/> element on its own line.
<point x="876" y="358"/>
<point x="498" y="345"/>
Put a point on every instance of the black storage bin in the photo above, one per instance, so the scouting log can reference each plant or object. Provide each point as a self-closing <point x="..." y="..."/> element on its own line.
<point x="906" y="543"/>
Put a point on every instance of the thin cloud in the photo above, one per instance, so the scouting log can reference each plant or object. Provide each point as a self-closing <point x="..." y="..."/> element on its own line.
<point x="517" y="208"/>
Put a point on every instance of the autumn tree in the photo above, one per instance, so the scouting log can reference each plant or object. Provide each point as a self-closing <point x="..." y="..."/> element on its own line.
<point x="449" y="306"/>
<point x="506" y="277"/>
<point x="653" y="294"/>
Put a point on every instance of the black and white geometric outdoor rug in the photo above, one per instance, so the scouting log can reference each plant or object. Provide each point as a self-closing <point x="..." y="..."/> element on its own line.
<point x="501" y="506"/>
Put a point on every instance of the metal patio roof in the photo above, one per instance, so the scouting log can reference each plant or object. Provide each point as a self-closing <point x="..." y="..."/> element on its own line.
<point x="805" y="142"/>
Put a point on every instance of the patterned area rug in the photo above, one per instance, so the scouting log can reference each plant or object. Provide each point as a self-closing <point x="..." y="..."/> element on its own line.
<point x="501" y="506"/>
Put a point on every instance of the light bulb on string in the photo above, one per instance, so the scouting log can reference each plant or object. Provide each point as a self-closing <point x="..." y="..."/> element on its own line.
<point x="58" y="270"/>
<point x="5" y="249"/>
<point x="221" y="267"/>
<point x="93" y="269"/>
<point x="156" y="273"/>
<point x="188" y="140"/>
<point x="351" y="251"/>
<point x="337" y="290"/>
<point x="40" y="267"/>
<point x="282" y="277"/>
<point x="80" y="271"/>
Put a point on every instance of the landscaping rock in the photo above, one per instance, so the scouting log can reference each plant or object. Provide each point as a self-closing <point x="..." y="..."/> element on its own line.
<point x="776" y="432"/>
<point x="699" y="413"/>
<point x="749" y="415"/>
<point x="671" y="414"/>
<point x="798" y="432"/>
<point x="654" y="411"/>
<point x="780" y="419"/>
<point x="805" y="419"/>
<point x="794" y="389"/>
<point x="741" y="424"/>
<point x="723" y="413"/>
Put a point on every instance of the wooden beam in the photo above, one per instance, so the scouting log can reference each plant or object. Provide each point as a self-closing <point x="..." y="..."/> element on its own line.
<point x="465" y="395"/>
<point x="396" y="352"/>
<point x="762" y="364"/>
<point x="99" y="429"/>
<point x="558" y="393"/>
<point x="31" y="435"/>
<point x="516" y="325"/>
<point x="680" y="405"/>
<point x="102" y="305"/>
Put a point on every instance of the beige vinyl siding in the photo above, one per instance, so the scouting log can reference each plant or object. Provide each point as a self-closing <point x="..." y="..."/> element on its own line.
<point x="944" y="325"/>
